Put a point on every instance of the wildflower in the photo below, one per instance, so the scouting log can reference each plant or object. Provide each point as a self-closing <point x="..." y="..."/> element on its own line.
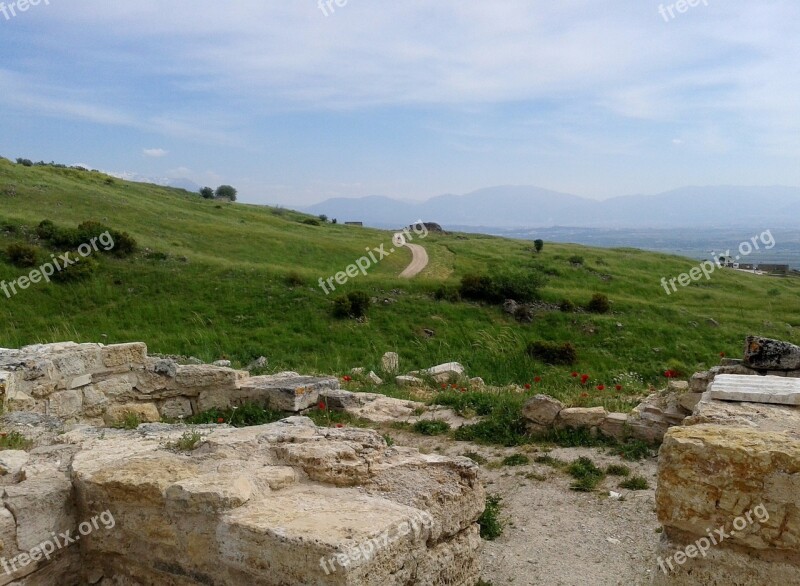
<point x="584" y="378"/>
<point x="321" y="405"/>
<point x="722" y="354"/>
<point x="671" y="374"/>
<point x="584" y="395"/>
<point x="537" y="379"/>
<point x="220" y="420"/>
<point x="339" y="425"/>
<point x="601" y="387"/>
<point x="347" y="379"/>
<point x="527" y="386"/>
<point x="574" y="375"/>
<point x="455" y="386"/>
<point x="463" y="389"/>
<point x="444" y="386"/>
<point x="618" y="387"/>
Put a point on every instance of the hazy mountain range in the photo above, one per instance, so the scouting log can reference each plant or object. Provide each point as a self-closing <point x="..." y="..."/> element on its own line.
<point x="532" y="207"/>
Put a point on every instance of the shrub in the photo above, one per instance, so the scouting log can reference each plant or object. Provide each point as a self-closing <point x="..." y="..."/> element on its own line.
<point x="187" y="442"/>
<point x="207" y="193"/>
<point x="586" y="474"/>
<point x="432" y="427"/>
<point x="323" y="218"/>
<point x="311" y="222"/>
<point x="516" y="460"/>
<point x="553" y="353"/>
<point x="14" y="440"/>
<point x="226" y="192"/>
<point x="447" y="293"/>
<point x="538" y="244"/>
<point x="294" y="279"/>
<point x="25" y="162"/>
<point x="83" y="269"/>
<point x="354" y="304"/>
<point x="618" y="470"/>
<point x="599" y="304"/>
<point x="566" y="306"/>
<point x="22" y="255"/>
<point x="489" y="521"/>
<point x="635" y="483"/>
<point x="576" y="260"/>
<point x="124" y="243"/>
<point x="521" y="286"/>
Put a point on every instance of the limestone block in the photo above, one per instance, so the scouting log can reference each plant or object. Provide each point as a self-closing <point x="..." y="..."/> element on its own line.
<point x="12" y="463"/>
<point x="445" y="372"/>
<point x="615" y="425"/>
<point x="711" y="474"/>
<point x="209" y="493"/>
<point x="390" y="362"/>
<point x="79" y="381"/>
<point x="756" y="389"/>
<point x="576" y="417"/>
<point x="94" y="402"/>
<point x="409" y="381"/>
<point x="145" y="412"/>
<point x="65" y="404"/>
<point x="176" y="408"/>
<point x="283" y="392"/>
<point x="542" y="410"/>
<point x="132" y="355"/>
<point x="41" y="505"/>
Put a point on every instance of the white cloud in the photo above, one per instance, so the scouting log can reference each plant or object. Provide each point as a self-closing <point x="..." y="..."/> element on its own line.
<point x="155" y="153"/>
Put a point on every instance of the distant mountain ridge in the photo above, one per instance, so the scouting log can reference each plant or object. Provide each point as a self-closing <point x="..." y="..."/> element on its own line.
<point x="531" y="207"/>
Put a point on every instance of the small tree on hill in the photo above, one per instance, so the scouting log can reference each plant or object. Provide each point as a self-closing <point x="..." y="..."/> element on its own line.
<point x="207" y="193"/>
<point x="226" y="192"/>
<point x="538" y="244"/>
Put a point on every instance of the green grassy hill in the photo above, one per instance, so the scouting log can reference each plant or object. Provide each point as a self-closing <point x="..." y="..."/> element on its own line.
<point x="240" y="281"/>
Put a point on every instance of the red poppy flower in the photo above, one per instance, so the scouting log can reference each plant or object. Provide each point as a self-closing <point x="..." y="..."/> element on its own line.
<point x="584" y="378"/>
<point x="670" y="374"/>
<point x="220" y="420"/>
<point x="722" y="354"/>
<point x="601" y="387"/>
<point x="574" y="375"/>
<point x="454" y="386"/>
<point x="444" y="386"/>
<point x="527" y="386"/>
<point x="537" y="379"/>
<point x="618" y="387"/>
<point x="347" y="379"/>
<point x="339" y="425"/>
<point x="463" y="389"/>
<point x="321" y="405"/>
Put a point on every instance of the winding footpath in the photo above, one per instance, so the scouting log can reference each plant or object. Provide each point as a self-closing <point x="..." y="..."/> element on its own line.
<point x="419" y="261"/>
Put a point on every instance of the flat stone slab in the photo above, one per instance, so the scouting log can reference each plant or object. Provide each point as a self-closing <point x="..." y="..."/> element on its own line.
<point x="774" y="390"/>
<point x="287" y="391"/>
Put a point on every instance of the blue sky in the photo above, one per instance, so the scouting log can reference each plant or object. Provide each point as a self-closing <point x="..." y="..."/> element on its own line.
<point x="408" y="99"/>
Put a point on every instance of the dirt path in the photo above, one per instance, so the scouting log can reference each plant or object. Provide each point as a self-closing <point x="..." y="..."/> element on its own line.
<point x="419" y="261"/>
<point x="555" y="536"/>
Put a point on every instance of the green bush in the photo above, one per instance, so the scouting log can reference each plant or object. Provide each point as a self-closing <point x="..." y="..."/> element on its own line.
<point x="447" y="293"/>
<point x="311" y="222"/>
<point x="576" y="260"/>
<point x="516" y="460"/>
<point x="354" y="304"/>
<point x="586" y="474"/>
<point x="489" y="521"/>
<point x="22" y="255"/>
<point x="553" y="353"/>
<point x="521" y="286"/>
<point x="431" y="427"/>
<point x="83" y="269"/>
<point x="294" y="279"/>
<point x="635" y="483"/>
<point x="599" y="304"/>
<point x="538" y="244"/>
<point x="566" y="306"/>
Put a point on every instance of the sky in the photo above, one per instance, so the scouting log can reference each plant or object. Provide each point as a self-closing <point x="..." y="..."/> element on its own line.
<point x="297" y="101"/>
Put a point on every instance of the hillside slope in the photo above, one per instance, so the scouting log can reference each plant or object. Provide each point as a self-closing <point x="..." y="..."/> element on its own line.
<point x="240" y="281"/>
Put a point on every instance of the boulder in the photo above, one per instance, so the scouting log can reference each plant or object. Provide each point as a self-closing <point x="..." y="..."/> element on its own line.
<point x="390" y="362"/>
<point x="756" y="389"/>
<point x="445" y="372"/>
<point x="286" y="391"/>
<point x="767" y="354"/>
<point x="374" y="378"/>
<point x="409" y="381"/>
<point x="144" y="412"/>
<point x="542" y="410"/>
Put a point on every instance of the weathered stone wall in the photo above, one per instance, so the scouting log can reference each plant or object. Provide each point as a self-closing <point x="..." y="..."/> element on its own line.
<point x="285" y="503"/>
<point x="731" y="463"/>
<point x="100" y="385"/>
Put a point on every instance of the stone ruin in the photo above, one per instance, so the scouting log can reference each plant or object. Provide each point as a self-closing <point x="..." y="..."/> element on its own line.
<point x="728" y="491"/>
<point x="280" y="504"/>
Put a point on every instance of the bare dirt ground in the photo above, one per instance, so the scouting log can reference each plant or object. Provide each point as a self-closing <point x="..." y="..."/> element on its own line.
<point x="418" y="262"/>
<point x="553" y="535"/>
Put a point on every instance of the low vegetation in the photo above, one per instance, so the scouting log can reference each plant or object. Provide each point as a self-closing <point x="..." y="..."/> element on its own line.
<point x="491" y="525"/>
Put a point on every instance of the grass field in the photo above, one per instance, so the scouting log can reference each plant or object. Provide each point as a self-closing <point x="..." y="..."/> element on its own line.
<point x="240" y="281"/>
